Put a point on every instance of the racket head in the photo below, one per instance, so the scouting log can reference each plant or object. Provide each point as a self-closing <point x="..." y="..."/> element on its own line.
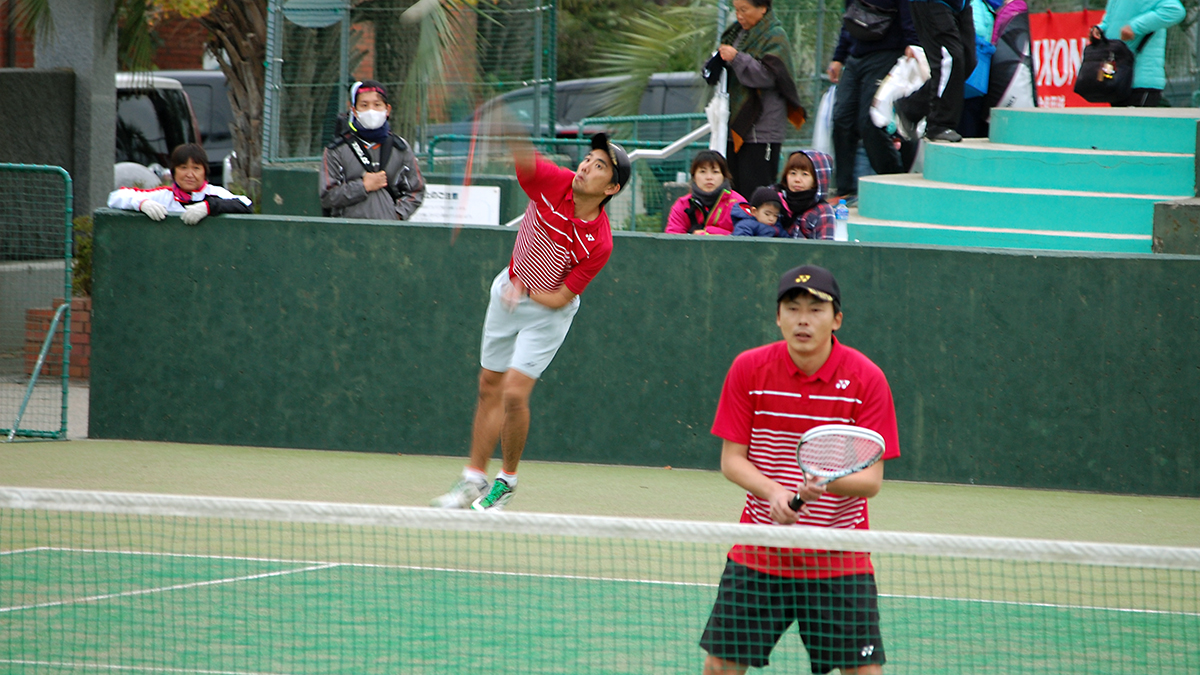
<point x="830" y="451"/>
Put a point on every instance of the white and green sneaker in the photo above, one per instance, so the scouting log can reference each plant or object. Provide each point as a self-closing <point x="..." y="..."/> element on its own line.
<point x="464" y="492"/>
<point x="496" y="499"/>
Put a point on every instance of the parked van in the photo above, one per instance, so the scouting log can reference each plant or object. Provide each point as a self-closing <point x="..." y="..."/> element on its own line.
<point x="154" y="116"/>
<point x="210" y="101"/>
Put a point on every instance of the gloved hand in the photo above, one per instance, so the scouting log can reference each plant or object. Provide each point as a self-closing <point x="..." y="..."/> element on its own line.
<point x="153" y="209"/>
<point x="194" y="213"/>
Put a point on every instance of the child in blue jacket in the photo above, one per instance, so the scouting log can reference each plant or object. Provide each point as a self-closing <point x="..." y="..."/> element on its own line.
<point x="802" y="191"/>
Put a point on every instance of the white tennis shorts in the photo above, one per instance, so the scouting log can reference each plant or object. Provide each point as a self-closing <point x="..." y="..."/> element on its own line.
<point x="525" y="338"/>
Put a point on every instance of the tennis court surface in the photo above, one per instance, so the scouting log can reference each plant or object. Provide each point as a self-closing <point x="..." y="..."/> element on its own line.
<point x="117" y="582"/>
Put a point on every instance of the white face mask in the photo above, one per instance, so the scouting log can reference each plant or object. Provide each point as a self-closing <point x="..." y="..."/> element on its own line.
<point x="371" y="119"/>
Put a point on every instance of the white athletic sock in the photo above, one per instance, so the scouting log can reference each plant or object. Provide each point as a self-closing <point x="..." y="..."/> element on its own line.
<point x="474" y="475"/>
<point x="510" y="478"/>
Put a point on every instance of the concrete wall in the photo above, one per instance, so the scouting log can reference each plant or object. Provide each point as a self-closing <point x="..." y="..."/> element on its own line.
<point x="1008" y="368"/>
<point x="37" y="112"/>
<point x="83" y="42"/>
<point x="26" y="285"/>
<point x="1177" y="227"/>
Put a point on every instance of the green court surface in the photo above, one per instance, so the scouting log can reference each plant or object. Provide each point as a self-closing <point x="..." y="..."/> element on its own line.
<point x="198" y="596"/>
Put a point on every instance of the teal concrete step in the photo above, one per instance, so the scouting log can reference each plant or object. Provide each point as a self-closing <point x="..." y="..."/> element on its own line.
<point x="1134" y="129"/>
<point x="878" y="231"/>
<point x="986" y="163"/>
<point x="913" y="198"/>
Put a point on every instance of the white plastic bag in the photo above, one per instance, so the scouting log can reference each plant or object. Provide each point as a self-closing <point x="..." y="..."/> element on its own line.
<point x="823" y="128"/>
<point x="717" y="111"/>
<point x="903" y="79"/>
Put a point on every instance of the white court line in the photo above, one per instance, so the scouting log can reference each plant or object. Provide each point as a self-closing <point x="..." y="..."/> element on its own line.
<point x="34" y="549"/>
<point x="1047" y="605"/>
<point x="315" y="565"/>
<point x="150" y="669"/>
<point x="163" y="589"/>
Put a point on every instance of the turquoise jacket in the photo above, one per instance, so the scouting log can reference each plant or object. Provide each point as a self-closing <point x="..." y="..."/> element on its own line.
<point x="1144" y="17"/>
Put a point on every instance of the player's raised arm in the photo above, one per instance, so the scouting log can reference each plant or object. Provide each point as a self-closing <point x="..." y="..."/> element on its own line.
<point x="516" y="136"/>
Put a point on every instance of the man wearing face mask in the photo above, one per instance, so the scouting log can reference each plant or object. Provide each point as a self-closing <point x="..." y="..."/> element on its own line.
<point x="369" y="172"/>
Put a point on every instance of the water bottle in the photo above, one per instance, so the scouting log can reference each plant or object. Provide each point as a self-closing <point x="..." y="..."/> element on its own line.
<point x="841" y="215"/>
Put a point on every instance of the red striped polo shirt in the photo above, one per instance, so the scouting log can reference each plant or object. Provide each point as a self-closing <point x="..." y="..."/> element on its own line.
<point x="767" y="403"/>
<point x="554" y="248"/>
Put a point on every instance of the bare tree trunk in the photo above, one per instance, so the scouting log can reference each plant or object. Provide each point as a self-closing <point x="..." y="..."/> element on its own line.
<point x="238" y="37"/>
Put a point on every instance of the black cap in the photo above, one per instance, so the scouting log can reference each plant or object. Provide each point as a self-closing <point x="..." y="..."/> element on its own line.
<point x="818" y="281"/>
<point x="622" y="168"/>
<point x="765" y="195"/>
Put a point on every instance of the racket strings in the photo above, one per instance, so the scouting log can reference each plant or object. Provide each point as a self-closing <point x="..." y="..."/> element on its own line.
<point x="834" y="454"/>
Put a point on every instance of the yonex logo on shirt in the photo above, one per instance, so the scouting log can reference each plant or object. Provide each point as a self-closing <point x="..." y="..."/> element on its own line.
<point x="842" y="384"/>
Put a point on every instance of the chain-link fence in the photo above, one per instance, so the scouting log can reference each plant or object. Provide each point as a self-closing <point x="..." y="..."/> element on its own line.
<point x="458" y="58"/>
<point x="439" y="61"/>
<point x="35" y="278"/>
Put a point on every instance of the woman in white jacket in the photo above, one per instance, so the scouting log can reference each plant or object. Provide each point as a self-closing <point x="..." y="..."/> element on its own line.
<point x="190" y="196"/>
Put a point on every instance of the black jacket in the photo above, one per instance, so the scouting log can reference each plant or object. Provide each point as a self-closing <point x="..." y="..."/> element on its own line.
<point x="900" y="34"/>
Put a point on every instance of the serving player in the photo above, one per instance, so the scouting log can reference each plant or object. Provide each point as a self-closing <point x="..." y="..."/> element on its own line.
<point x="563" y="242"/>
<point x="772" y="395"/>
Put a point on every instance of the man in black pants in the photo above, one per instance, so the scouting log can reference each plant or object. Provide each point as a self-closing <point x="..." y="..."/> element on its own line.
<point x="857" y="68"/>
<point x="941" y="24"/>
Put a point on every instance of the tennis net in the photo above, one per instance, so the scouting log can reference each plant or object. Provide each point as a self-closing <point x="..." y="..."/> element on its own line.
<point x="136" y="583"/>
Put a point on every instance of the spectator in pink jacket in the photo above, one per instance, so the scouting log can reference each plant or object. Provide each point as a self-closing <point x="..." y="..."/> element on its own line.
<point x="707" y="209"/>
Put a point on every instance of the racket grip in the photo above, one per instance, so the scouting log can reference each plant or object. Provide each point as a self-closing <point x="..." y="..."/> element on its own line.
<point x="796" y="503"/>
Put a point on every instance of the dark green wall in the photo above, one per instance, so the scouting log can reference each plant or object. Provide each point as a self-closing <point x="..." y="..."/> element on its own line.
<point x="1045" y="370"/>
<point x="294" y="190"/>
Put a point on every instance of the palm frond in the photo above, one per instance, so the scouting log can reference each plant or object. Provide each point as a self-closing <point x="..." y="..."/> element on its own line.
<point x="135" y="41"/>
<point x="651" y="41"/>
<point x="441" y="29"/>
<point x="32" y="16"/>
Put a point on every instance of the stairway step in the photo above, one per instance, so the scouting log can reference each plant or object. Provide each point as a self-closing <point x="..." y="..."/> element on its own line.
<point x="1137" y="129"/>
<point x="875" y="230"/>
<point x="911" y="197"/>
<point x="986" y="163"/>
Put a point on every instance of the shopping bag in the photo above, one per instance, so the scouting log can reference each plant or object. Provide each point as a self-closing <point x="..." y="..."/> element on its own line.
<point x="903" y="79"/>
<point x="823" y="128"/>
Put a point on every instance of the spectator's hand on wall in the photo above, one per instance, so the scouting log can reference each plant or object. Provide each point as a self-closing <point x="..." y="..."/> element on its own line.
<point x="727" y="53"/>
<point x="375" y="181"/>
<point x="194" y="213"/>
<point x="834" y="71"/>
<point x="153" y="209"/>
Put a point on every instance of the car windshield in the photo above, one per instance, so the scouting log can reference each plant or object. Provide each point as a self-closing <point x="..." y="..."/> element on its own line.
<point x="151" y="123"/>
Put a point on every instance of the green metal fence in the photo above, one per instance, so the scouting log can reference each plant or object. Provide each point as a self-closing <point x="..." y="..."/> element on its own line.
<point x="35" y="292"/>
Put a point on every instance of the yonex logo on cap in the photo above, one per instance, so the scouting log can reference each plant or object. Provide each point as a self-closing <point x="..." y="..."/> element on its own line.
<point x="803" y="278"/>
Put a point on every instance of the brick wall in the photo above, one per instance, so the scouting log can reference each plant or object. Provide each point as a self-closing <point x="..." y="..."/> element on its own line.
<point x="37" y="324"/>
<point x="23" y="55"/>
<point x="181" y="44"/>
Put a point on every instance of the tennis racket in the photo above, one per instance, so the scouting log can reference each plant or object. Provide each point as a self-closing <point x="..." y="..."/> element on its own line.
<point x="831" y="451"/>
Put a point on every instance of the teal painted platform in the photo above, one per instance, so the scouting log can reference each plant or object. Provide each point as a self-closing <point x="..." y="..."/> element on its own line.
<point x="1082" y="179"/>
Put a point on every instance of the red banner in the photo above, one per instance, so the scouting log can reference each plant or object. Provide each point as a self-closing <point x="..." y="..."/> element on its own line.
<point x="1057" y="41"/>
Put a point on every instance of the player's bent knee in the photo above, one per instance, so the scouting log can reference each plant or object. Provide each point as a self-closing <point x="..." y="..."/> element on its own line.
<point x="490" y="382"/>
